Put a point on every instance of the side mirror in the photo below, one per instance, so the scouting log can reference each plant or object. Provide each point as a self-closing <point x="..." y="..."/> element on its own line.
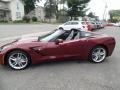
<point x="57" y="42"/>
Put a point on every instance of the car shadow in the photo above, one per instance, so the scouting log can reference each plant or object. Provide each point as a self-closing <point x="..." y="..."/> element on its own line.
<point x="56" y="64"/>
<point x="61" y="63"/>
<point x="68" y="63"/>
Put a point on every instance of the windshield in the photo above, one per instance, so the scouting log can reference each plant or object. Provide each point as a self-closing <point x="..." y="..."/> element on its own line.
<point x="51" y="36"/>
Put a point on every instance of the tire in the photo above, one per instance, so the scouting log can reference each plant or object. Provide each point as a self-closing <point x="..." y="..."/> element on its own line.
<point x="61" y="28"/>
<point x="98" y="54"/>
<point x="18" y="60"/>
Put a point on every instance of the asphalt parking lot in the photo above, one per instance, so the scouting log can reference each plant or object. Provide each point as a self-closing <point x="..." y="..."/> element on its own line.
<point x="67" y="75"/>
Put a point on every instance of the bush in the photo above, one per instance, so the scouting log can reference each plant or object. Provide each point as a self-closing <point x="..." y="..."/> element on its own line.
<point x="18" y="21"/>
<point x="26" y="19"/>
<point x="3" y="21"/>
<point x="34" y="19"/>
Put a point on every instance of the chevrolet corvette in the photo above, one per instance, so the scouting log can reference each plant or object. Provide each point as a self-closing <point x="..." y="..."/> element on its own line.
<point x="57" y="45"/>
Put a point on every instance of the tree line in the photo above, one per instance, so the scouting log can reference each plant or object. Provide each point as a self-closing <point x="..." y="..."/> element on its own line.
<point x="75" y="8"/>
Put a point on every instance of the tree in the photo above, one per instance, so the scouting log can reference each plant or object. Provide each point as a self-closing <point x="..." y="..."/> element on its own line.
<point x="63" y="3"/>
<point x="29" y="5"/>
<point x="50" y="9"/>
<point x="58" y="10"/>
<point x="91" y="15"/>
<point x="77" y="7"/>
<point x="114" y="15"/>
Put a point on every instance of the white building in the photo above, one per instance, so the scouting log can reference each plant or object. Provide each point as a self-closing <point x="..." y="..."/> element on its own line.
<point x="37" y="12"/>
<point x="11" y="10"/>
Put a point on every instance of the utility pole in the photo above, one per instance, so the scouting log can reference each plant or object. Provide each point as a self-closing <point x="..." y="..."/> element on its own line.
<point x="105" y="10"/>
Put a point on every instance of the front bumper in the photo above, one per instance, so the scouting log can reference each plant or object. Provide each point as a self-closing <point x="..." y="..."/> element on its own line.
<point x="1" y="58"/>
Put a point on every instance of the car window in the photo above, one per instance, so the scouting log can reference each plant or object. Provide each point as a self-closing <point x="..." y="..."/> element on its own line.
<point x="60" y="34"/>
<point x="63" y="36"/>
<point x="75" y="34"/>
<point x="51" y="36"/>
<point x="74" y="23"/>
<point x="67" y="23"/>
<point x="83" y="23"/>
<point x="69" y="35"/>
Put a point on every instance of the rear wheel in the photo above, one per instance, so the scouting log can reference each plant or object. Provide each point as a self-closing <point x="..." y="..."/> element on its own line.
<point x="61" y="28"/>
<point x="18" y="60"/>
<point x="98" y="54"/>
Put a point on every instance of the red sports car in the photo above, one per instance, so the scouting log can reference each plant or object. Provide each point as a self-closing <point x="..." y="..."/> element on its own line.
<point x="56" y="46"/>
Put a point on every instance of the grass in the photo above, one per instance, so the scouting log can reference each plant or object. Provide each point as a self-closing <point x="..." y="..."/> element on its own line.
<point x="20" y="23"/>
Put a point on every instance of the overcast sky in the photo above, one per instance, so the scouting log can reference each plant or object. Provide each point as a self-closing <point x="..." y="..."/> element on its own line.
<point x="98" y="6"/>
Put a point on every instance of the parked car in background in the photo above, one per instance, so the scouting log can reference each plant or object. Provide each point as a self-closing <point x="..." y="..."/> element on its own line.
<point x="95" y="25"/>
<point x="101" y="24"/>
<point x="110" y="24"/>
<point x="98" y="24"/>
<point x="90" y="25"/>
<point x="85" y="26"/>
<point x="117" y="24"/>
<point x="74" y="25"/>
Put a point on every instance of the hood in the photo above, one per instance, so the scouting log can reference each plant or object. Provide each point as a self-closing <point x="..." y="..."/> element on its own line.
<point x="20" y="40"/>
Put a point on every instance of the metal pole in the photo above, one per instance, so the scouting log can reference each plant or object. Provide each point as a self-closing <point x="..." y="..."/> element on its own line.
<point x="105" y="13"/>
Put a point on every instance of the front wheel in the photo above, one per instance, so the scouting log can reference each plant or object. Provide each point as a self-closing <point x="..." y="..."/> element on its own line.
<point x="18" y="60"/>
<point x="98" y="54"/>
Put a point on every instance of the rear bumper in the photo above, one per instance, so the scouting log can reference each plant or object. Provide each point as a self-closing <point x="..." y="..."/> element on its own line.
<point x="1" y="59"/>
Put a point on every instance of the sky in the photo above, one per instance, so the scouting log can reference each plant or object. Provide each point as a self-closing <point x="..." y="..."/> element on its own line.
<point x="98" y="6"/>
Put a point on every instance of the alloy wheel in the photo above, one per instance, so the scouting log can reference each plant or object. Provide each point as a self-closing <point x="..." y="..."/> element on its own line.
<point x="18" y="60"/>
<point x="98" y="54"/>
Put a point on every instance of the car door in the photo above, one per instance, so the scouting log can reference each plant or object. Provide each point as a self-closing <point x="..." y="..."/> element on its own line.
<point x="67" y="49"/>
<point x="53" y="51"/>
<point x="76" y="47"/>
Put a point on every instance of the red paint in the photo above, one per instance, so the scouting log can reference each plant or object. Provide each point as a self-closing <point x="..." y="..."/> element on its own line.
<point x="49" y="51"/>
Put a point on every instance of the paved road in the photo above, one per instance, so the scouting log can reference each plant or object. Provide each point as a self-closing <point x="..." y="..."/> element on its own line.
<point x="18" y="30"/>
<point x="68" y="75"/>
<point x="11" y="32"/>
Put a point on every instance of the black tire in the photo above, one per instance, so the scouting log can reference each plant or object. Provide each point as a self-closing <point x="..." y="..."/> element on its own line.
<point x="19" y="58"/>
<point x="98" y="54"/>
<point x="61" y="28"/>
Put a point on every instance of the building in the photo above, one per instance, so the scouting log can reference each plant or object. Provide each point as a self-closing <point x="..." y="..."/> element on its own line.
<point x="11" y="10"/>
<point x="38" y="12"/>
